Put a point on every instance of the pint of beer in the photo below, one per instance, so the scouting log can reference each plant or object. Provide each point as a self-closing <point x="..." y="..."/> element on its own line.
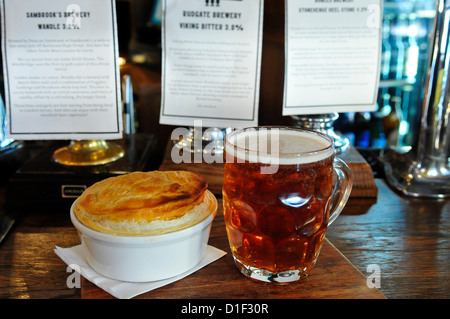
<point x="279" y="196"/>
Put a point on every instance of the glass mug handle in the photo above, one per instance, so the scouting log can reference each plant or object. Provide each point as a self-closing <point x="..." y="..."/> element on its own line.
<point x="342" y="189"/>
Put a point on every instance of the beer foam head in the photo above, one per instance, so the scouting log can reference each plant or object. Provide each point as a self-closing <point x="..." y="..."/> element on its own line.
<point x="278" y="145"/>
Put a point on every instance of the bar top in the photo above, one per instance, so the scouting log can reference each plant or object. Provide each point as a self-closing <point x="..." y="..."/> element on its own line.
<point x="406" y="238"/>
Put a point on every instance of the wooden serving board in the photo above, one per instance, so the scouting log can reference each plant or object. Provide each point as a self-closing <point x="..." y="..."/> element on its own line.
<point x="362" y="175"/>
<point x="333" y="277"/>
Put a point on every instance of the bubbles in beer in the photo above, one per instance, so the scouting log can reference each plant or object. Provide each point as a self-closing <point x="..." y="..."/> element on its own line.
<point x="291" y="252"/>
<point x="276" y="222"/>
<point x="242" y="216"/>
<point x="259" y="249"/>
<point x="310" y="219"/>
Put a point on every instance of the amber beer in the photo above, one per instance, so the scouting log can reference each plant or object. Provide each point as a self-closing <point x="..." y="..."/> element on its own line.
<point x="276" y="222"/>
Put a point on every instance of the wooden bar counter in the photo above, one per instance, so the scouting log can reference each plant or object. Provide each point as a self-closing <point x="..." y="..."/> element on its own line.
<point x="407" y="240"/>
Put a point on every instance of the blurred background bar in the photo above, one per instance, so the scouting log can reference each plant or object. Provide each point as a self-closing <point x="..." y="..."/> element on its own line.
<point x="406" y="30"/>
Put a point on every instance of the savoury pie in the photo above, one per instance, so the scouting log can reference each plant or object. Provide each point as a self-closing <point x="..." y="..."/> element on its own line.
<point x="145" y="203"/>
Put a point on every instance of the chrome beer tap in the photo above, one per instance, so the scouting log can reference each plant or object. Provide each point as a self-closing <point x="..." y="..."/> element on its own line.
<point x="425" y="171"/>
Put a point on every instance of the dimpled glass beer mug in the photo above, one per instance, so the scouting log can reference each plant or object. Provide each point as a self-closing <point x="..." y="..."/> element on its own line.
<point x="282" y="188"/>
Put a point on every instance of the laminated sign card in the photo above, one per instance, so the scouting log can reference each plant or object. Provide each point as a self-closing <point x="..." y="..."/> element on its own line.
<point x="211" y="62"/>
<point x="332" y="56"/>
<point x="60" y="62"/>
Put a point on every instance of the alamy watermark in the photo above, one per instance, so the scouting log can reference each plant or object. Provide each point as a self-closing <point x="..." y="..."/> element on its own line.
<point x="73" y="16"/>
<point x="374" y="278"/>
<point x="74" y="279"/>
<point x="374" y="19"/>
<point x="265" y="147"/>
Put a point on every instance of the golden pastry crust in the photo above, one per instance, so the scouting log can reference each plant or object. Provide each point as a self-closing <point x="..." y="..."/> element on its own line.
<point x="143" y="203"/>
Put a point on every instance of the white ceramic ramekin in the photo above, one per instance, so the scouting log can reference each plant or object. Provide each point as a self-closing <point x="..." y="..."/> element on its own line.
<point x="145" y="258"/>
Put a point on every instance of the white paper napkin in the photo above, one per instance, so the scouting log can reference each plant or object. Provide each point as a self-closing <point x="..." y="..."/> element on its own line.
<point x="124" y="289"/>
